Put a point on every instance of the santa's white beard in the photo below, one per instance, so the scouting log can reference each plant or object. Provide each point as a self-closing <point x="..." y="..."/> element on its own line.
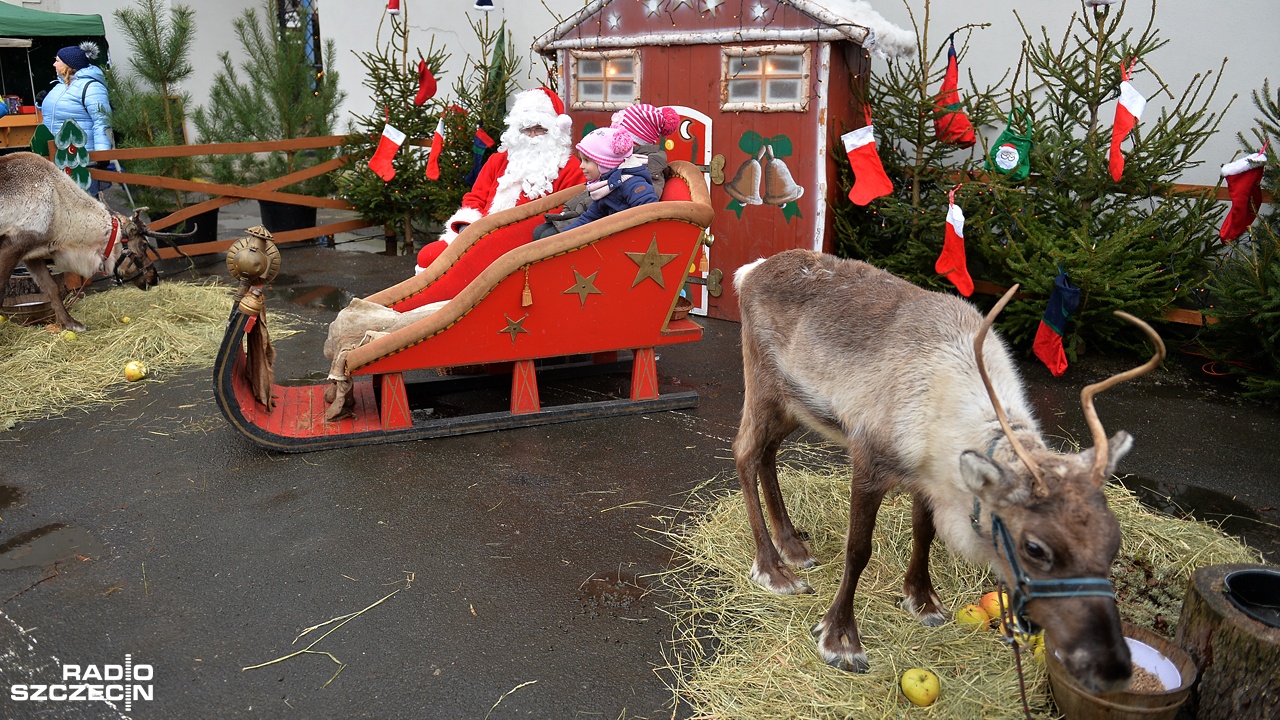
<point x="533" y="164"/>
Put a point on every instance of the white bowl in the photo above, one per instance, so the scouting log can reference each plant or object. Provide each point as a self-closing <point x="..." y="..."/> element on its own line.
<point x="1153" y="662"/>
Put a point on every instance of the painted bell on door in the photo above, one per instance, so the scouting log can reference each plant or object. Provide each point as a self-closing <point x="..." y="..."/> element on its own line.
<point x="779" y="187"/>
<point x="745" y="186"/>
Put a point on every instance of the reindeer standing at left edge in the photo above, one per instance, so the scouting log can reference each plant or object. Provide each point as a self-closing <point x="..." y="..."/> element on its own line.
<point x="45" y="216"/>
<point x="900" y="376"/>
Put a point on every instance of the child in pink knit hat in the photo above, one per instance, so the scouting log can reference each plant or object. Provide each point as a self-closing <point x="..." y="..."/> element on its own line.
<point x="612" y="188"/>
<point x="647" y="125"/>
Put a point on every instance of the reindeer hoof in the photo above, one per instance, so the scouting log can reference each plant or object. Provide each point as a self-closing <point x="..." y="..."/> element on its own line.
<point x="74" y="326"/>
<point x="857" y="664"/>
<point x="800" y="559"/>
<point x="843" y="656"/>
<point x="780" y="581"/>
<point x="928" y="615"/>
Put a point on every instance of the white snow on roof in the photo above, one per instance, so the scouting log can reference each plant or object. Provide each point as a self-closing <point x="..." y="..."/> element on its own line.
<point x="848" y="19"/>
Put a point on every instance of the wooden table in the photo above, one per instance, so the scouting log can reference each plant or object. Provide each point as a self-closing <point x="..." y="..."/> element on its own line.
<point x="16" y="130"/>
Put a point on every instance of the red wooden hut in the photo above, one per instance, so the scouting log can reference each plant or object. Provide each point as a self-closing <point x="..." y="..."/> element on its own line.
<point x="765" y="89"/>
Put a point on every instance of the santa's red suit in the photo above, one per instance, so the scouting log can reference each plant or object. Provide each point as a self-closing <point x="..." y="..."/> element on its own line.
<point x="529" y="165"/>
<point x="535" y="160"/>
<point x="484" y="192"/>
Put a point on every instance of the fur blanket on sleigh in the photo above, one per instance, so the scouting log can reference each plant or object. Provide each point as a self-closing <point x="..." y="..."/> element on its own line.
<point x="359" y="323"/>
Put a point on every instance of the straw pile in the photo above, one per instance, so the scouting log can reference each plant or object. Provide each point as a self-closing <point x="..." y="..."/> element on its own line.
<point x="743" y="652"/>
<point x="172" y="326"/>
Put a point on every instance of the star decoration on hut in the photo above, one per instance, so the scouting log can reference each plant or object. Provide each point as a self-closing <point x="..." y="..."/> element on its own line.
<point x="614" y="21"/>
<point x="758" y="11"/>
<point x="584" y="286"/>
<point x="514" y="327"/>
<point x="713" y="6"/>
<point x="651" y="7"/>
<point x="651" y="262"/>
<point x="684" y="2"/>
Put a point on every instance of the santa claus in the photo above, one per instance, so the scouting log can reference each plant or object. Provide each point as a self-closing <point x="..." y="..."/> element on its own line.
<point x="535" y="159"/>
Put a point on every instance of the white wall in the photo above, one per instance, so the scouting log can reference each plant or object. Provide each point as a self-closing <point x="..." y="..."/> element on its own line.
<point x="354" y="25"/>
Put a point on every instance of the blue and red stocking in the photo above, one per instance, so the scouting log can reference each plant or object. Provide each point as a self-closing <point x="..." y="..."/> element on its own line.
<point x="1063" y="302"/>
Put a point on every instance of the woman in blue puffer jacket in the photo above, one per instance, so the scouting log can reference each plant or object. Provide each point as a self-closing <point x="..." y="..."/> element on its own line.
<point x="80" y="94"/>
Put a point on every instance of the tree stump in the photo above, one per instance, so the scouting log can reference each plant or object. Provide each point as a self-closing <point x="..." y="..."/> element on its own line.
<point x="24" y="302"/>
<point x="1239" y="657"/>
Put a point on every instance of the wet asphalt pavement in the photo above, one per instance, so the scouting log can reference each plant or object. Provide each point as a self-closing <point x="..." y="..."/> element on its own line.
<point x="511" y="566"/>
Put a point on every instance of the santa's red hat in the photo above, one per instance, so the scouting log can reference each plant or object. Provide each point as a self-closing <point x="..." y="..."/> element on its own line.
<point x="556" y="103"/>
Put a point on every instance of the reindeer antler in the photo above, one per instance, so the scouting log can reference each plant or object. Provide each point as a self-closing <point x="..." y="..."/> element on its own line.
<point x="1100" y="443"/>
<point x="1018" y="449"/>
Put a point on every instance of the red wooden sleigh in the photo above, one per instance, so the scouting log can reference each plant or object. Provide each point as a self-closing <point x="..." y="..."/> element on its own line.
<point x="566" y="305"/>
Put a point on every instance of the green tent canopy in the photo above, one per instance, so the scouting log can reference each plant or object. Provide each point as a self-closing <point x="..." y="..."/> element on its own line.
<point x="23" y="22"/>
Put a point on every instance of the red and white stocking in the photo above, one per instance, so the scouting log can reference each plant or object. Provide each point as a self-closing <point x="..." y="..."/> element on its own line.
<point x="388" y="146"/>
<point x="1244" y="184"/>
<point x="952" y="263"/>
<point x="433" y="156"/>
<point x="393" y="7"/>
<point x="1128" y="110"/>
<point x="869" y="178"/>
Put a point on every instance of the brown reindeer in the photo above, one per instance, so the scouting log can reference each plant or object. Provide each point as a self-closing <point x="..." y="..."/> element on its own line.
<point x="901" y="377"/>
<point x="45" y="217"/>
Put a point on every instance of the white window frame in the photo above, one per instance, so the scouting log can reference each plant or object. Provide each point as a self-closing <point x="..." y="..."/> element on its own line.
<point x="603" y="56"/>
<point x="729" y="53"/>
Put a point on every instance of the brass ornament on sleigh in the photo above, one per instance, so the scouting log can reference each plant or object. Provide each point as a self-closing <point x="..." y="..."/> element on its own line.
<point x="254" y="259"/>
<point x="779" y="187"/>
<point x="745" y="186"/>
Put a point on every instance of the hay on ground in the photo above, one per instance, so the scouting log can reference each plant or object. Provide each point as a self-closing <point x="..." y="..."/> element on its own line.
<point x="743" y="652"/>
<point x="172" y="326"/>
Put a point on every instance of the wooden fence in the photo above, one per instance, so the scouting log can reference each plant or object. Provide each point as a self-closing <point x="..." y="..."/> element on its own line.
<point x="227" y="194"/>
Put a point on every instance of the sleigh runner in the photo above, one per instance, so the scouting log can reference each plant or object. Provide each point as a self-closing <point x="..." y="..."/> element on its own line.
<point x="565" y="306"/>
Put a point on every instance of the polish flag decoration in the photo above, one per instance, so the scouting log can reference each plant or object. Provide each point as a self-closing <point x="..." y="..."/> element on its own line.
<point x="1128" y="111"/>
<point x="433" y="157"/>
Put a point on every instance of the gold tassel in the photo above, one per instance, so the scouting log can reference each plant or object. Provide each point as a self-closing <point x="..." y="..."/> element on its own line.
<point x="526" y="298"/>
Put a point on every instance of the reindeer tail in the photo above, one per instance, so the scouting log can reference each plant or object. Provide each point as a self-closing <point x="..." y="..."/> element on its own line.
<point x="740" y="275"/>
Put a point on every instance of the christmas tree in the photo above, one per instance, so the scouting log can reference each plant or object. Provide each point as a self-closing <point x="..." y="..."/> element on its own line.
<point x="486" y="83"/>
<point x="1130" y="244"/>
<point x="393" y="80"/>
<point x="1245" y="283"/>
<point x="148" y="110"/>
<point x="903" y="232"/>
<point x="277" y="92"/>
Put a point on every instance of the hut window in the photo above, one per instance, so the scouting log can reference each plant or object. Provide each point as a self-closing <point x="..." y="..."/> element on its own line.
<point x="607" y="80"/>
<point x="772" y="78"/>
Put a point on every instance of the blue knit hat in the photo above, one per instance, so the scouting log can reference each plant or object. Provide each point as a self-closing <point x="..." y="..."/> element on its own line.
<point x="77" y="57"/>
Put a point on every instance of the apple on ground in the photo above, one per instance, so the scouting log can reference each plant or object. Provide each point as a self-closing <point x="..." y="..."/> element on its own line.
<point x="991" y="602"/>
<point x="134" y="370"/>
<point x="973" y="616"/>
<point x="920" y="686"/>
